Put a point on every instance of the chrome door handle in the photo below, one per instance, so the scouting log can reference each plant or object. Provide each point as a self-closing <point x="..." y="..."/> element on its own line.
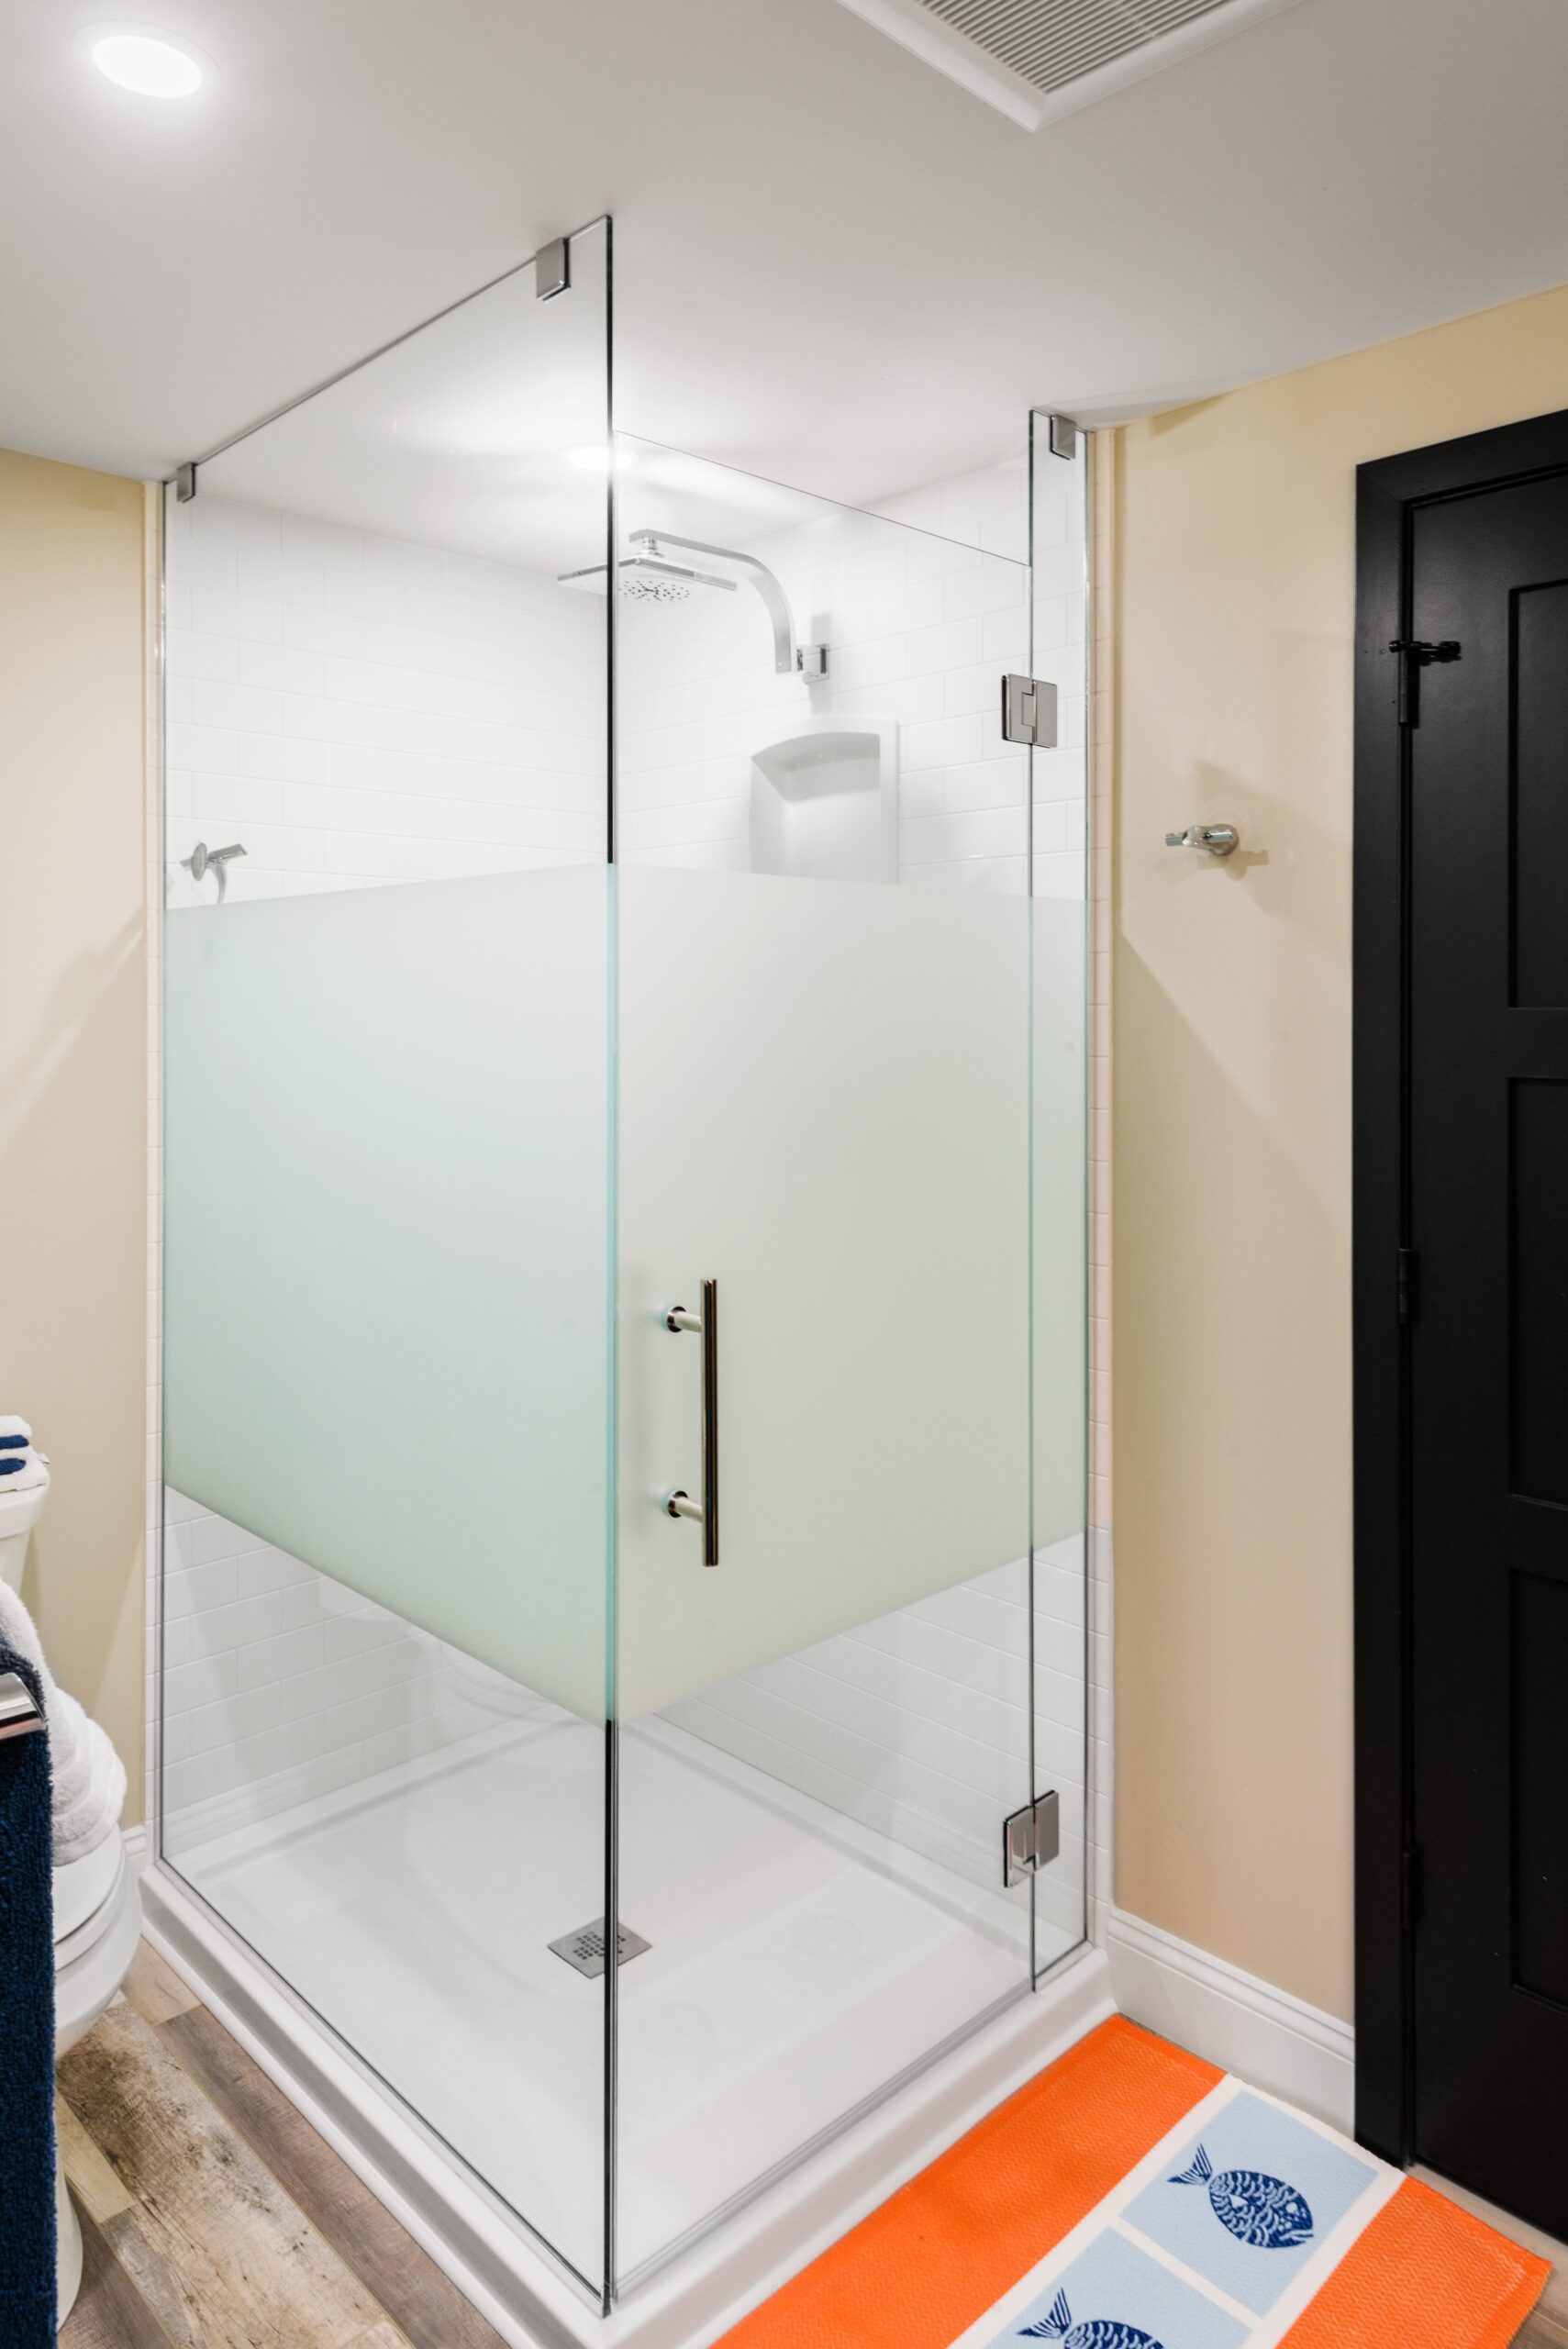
<point x="677" y="1503"/>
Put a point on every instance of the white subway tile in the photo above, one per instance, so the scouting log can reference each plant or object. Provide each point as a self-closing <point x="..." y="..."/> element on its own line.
<point x="281" y="666"/>
<point x="999" y="782"/>
<point x="195" y="749"/>
<point x="940" y="743"/>
<point x="220" y="611"/>
<point x="446" y="715"/>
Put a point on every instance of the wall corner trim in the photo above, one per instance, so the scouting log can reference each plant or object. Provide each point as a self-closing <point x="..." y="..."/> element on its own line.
<point x="1263" y="2034"/>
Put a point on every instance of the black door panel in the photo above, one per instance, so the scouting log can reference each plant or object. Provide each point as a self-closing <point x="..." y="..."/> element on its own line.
<point x="1488" y="1363"/>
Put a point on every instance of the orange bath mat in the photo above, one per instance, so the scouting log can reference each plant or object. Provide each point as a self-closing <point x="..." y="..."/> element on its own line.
<point x="1132" y="2197"/>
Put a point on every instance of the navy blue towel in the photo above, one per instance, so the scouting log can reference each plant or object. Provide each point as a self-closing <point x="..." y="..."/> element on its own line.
<point x="10" y="1468"/>
<point x="26" y="2035"/>
<point x="13" y="1443"/>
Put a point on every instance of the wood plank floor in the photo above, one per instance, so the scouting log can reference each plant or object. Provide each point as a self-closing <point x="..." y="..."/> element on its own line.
<point x="214" y="2217"/>
<point x="1548" y="2327"/>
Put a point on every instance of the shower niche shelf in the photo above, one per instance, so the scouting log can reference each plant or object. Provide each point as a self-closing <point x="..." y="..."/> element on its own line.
<point x="824" y="801"/>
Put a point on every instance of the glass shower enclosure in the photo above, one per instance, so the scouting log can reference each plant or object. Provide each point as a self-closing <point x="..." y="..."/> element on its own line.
<point x="624" y="1215"/>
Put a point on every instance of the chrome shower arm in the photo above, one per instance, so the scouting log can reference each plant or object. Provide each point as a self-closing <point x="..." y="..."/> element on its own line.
<point x="786" y="659"/>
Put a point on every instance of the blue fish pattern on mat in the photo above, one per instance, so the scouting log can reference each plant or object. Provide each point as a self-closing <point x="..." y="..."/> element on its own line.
<point x="1098" y="2333"/>
<point x="1256" y="2209"/>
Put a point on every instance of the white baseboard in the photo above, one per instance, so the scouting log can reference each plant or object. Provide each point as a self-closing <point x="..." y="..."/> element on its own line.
<point x="1262" y="2034"/>
<point x="135" y="1852"/>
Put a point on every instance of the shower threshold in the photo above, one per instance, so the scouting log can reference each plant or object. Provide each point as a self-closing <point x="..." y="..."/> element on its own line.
<point x="679" y="2288"/>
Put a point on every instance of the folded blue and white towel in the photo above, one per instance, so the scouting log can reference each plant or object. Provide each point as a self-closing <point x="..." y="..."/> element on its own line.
<point x="21" y="1465"/>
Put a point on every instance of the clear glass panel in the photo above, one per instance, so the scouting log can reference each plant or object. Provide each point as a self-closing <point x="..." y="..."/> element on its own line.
<point x="1059" y="615"/>
<point x="385" y="1365"/>
<point x="824" y="1105"/>
<point x="442" y="1158"/>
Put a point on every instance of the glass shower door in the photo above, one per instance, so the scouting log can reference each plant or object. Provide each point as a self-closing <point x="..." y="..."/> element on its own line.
<point x="623" y="1390"/>
<point x="386" y="1372"/>
<point x="825" y="1031"/>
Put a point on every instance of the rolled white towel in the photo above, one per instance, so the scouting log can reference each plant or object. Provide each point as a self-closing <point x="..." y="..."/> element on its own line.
<point x="87" y="1775"/>
<point x="11" y="1425"/>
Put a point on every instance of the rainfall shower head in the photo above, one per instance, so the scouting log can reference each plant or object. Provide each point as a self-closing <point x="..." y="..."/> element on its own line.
<point x="639" y="579"/>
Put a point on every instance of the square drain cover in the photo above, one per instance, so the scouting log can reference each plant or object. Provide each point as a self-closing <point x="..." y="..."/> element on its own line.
<point x="585" y="1948"/>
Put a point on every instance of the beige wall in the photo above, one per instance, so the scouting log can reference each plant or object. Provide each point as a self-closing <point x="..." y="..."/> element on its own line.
<point x="73" y="1062"/>
<point x="1235" y="592"/>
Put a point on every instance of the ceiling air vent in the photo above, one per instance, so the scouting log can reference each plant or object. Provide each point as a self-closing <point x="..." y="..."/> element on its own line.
<point x="1039" y="59"/>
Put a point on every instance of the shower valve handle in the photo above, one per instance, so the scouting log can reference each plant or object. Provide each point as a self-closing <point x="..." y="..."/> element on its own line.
<point x="202" y="859"/>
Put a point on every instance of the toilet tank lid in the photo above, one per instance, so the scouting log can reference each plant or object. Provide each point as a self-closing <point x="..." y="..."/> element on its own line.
<point x="22" y="1497"/>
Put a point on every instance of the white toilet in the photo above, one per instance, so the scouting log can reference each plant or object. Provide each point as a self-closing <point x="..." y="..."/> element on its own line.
<point x="97" y="1911"/>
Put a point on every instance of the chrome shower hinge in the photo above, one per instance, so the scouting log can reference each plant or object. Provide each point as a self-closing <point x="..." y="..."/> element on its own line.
<point x="1029" y="712"/>
<point x="1032" y="1838"/>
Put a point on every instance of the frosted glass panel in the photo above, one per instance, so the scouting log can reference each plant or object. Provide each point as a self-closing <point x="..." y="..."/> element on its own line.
<point x="384" y="1346"/>
<point x="824" y="1105"/>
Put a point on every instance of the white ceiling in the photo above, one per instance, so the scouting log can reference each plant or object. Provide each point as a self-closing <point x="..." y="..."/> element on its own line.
<point x="833" y="266"/>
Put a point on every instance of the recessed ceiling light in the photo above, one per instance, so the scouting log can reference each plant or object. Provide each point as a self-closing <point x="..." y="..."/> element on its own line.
<point x="154" y="64"/>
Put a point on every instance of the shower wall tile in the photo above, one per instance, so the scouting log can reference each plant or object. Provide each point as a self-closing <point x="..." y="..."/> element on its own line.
<point x="281" y="1685"/>
<point x="916" y="1726"/>
<point x="918" y="630"/>
<point x="358" y="710"/>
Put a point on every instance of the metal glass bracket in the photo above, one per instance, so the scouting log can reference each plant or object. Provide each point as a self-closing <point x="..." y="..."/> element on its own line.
<point x="677" y="1503"/>
<point x="1032" y="1838"/>
<point x="552" y="269"/>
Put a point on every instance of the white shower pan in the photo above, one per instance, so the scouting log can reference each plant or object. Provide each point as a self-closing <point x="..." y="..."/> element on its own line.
<point x="824" y="801"/>
<point x="383" y="1842"/>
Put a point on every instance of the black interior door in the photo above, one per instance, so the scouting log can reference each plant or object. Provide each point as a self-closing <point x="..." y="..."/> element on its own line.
<point x="1488" y="1344"/>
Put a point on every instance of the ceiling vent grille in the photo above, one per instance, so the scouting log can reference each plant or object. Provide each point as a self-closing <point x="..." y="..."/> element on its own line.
<point x="1037" y="59"/>
<point x="1050" y="42"/>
